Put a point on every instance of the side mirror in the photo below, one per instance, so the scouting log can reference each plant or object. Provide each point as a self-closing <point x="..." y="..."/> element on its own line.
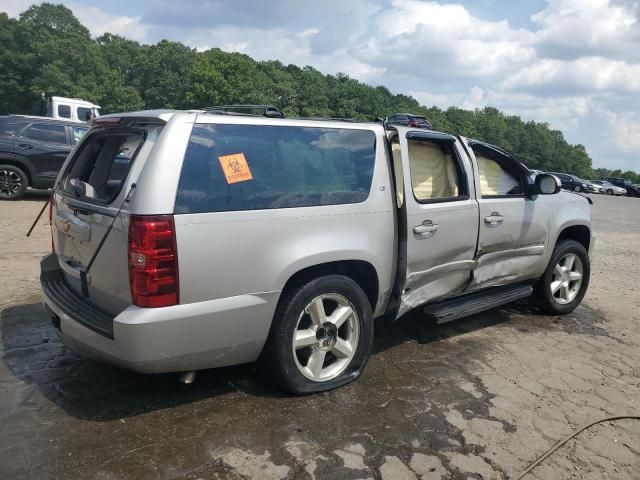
<point x="547" y="184"/>
<point x="77" y="187"/>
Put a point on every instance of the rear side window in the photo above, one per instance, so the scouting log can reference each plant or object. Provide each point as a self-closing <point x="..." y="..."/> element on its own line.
<point x="435" y="171"/>
<point x="100" y="166"/>
<point x="254" y="167"/>
<point x="46" y="132"/>
<point x="64" y="111"/>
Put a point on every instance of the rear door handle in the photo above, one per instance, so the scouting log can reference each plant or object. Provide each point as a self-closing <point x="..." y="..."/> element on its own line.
<point x="25" y="146"/>
<point x="427" y="229"/>
<point x="494" y="219"/>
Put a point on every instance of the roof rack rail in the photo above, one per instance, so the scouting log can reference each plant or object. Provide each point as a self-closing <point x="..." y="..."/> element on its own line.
<point x="328" y="119"/>
<point x="251" y="110"/>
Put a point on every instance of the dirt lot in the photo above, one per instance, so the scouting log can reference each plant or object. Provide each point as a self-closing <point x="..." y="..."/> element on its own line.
<point x="479" y="398"/>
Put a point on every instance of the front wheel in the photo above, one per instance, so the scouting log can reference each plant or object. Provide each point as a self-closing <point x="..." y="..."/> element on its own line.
<point x="566" y="279"/>
<point x="609" y="192"/>
<point x="577" y="189"/>
<point x="13" y="182"/>
<point x="321" y="336"/>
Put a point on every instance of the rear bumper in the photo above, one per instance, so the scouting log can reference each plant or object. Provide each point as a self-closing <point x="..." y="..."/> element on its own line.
<point x="194" y="336"/>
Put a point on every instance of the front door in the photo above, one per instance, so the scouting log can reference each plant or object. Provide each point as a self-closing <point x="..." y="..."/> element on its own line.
<point x="513" y="227"/>
<point x="442" y="216"/>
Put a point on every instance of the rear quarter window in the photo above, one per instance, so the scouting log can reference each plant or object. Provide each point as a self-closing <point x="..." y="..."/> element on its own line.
<point x="254" y="167"/>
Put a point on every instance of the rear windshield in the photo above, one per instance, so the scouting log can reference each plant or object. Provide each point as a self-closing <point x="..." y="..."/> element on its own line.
<point x="100" y="165"/>
<point x="252" y="167"/>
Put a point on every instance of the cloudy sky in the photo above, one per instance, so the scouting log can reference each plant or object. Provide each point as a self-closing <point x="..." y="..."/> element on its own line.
<point x="572" y="63"/>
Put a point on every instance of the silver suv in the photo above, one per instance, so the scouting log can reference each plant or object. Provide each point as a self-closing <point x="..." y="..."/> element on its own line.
<point x="185" y="240"/>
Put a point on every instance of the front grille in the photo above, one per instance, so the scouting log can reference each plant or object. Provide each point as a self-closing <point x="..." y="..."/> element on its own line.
<point x="71" y="303"/>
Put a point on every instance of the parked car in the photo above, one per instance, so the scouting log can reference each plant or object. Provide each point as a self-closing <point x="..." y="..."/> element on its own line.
<point x="571" y="182"/>
<point x="597" y="188"/>
<point x="631" y="190"/>
<point x="408" y="120"/>
<point x="32" y="150"/>
<point x="610" y="188"/>
<point x="591" y="188"/>
<point x="230" y="239"/>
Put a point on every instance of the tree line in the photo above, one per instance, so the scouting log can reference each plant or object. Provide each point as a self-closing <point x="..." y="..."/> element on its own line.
<point x="47" y="49"/>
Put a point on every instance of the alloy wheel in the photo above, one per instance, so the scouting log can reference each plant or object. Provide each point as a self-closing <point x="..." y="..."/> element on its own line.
<point x="10" y="182"/>
<point x="326" y="337"/>
<point x="566" y="279"/>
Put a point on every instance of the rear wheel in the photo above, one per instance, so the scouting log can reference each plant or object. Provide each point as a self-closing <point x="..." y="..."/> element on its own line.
<point x="321" y="336"/>
<point x="565" y="282"/>
<point x="13" y="182"/>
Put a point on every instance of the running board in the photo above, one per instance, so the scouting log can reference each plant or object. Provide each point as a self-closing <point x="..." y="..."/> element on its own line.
<point x="472" y="303"/>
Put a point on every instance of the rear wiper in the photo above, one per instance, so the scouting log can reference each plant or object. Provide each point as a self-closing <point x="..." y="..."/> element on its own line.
<point x="84" y="272"/>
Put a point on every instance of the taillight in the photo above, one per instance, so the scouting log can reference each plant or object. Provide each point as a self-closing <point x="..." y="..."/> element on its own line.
<point x="153" y="261"/>
<point x="51" y="202"/>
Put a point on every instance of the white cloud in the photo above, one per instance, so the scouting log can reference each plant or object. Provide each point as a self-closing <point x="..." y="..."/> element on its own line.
<point x="98" y="22"/>
<point x="94" y="18"/>
<point x="624" y="130"/>
<point x="13" y="8"/>
<point x="575" y="28"/>
<point x="430" y="40"/>
<point x="583" y="74"/>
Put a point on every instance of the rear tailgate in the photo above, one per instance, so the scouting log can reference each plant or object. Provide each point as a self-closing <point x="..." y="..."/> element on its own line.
<point x="90" y="191"/>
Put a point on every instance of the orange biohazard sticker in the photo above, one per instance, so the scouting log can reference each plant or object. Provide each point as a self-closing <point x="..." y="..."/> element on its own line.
<point x="235" y="168"/>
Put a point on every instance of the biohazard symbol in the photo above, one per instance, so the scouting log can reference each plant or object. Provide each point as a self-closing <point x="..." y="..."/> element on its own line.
<point x="234" y="165"/>
<point x="235" y="168"/>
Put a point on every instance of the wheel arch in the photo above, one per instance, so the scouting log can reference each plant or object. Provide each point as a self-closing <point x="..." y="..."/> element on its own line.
<point x="19" y="162"/>
<point x="579" y="233"/>
<point x="360" y="271"/>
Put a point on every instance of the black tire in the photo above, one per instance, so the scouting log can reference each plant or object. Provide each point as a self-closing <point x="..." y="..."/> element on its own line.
<point x="577" y="189"/>
<point x="609" y="192"/>
<point x="543" y="288"/>
<point x="278" y="355"/>
<point x="13" y="182"/>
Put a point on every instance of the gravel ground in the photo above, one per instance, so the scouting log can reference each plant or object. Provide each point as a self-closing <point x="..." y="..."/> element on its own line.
<point x="479" y="398"/>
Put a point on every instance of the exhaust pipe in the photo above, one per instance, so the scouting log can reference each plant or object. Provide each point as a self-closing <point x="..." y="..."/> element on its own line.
<point x="187" y="377"/>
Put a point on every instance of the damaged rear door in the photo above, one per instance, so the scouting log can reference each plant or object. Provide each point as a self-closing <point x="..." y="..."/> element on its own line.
<point x="442" y="216"/>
